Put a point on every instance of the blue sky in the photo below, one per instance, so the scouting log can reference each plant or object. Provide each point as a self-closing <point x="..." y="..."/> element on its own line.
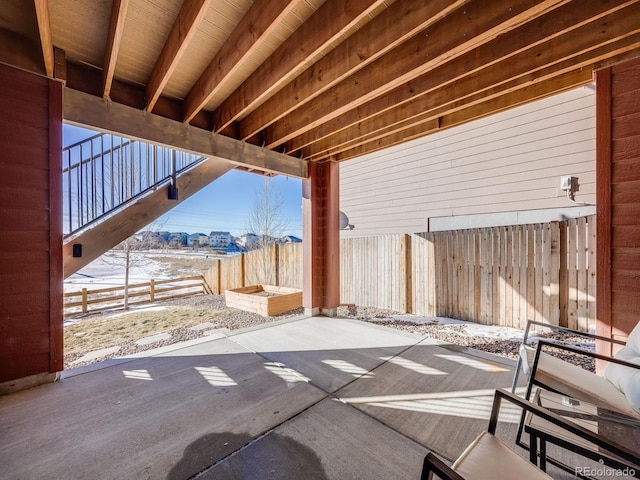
<point x="225" y="204"/>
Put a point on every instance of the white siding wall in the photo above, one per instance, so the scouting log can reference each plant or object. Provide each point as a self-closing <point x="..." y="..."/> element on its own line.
<point x="506" y="162"/>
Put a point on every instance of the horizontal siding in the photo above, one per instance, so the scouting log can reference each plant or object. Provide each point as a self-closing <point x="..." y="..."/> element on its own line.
<point x="507" y="162"/>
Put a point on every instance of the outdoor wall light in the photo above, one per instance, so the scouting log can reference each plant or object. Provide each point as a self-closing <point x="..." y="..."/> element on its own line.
<point x="570" y="185"/>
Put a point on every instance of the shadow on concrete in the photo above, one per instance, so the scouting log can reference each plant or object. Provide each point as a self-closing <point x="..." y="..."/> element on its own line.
<point x="273" y="456"/>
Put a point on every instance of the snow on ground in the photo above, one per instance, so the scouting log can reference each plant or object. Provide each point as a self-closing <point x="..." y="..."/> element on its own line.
<point x="471" y="329"/>
<point x="108" y="270"/>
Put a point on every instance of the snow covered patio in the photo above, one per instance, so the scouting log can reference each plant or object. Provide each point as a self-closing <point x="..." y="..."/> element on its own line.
<point x="314" y="398"/>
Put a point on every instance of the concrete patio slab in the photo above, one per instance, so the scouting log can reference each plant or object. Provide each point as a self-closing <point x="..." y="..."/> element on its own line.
<point x="134" y="419"/>
<point x="329" y="441"/>
<point x="247" y="406"/>
<point x="437" y="394"/>
<point x="331" y="352"/>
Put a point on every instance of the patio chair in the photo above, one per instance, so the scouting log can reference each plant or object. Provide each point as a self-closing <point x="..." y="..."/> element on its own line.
<point x="490" y="458"/>
<point x="618" y="390"/>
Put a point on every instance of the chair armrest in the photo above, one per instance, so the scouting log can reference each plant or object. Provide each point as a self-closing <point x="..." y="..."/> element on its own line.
<point x="557" y="328"/>
<point x="568" y="330"/>
<point x="433" y="464"/>
<point x="542" y="343"/>
<point x="573" y="428"/>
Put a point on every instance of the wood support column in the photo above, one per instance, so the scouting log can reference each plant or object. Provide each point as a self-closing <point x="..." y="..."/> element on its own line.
<point x="321" y="234"/>
<point x="618" y="202"/>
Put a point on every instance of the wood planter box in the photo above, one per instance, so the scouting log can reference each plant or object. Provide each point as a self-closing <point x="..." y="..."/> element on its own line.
<point x="265" y="300"/>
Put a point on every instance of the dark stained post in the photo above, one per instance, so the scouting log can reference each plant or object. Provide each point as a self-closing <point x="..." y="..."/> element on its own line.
<point x="603" y="212"/>
<point x="321" y="239"/>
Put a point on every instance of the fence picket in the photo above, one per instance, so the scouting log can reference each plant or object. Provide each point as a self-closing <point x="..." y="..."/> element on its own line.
<point x="496" y="275"/>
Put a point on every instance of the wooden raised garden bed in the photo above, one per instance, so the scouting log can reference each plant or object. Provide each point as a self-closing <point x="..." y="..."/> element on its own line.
<point x="265" y="300"/>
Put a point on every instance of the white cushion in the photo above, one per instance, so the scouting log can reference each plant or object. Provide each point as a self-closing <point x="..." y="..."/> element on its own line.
<point x="488" y="458"/>
<point x="576" y="382"/>
<point x="627" y="379"/>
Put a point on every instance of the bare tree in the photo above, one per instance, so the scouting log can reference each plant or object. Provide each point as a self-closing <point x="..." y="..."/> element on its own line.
<point x="129" y="254"/>
<point x="268" y="223"/>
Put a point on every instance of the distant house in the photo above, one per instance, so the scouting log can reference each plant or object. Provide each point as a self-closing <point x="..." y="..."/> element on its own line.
<point x="248" y="240"/>
<point x="198" y="239"/>
<point x="289" y="239"/>
<point x="217" y="239"/>
<point x="179" y="238"/>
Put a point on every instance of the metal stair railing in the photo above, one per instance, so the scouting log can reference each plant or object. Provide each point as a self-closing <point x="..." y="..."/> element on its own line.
<point x="106" y="172"/>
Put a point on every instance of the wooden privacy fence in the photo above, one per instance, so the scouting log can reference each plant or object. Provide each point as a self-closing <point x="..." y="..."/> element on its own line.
<point x="499" y="275"/>
<point x="279" y="265"/>
<point x="87" y="300"/>
<point x="506" y="275"/>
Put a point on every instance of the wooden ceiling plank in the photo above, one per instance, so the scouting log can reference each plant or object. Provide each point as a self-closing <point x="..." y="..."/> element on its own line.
<point x="509" y="47"/>
<point x="46" y="39"/>
<point x="85" y="109"/>
<point x="386" y="31"/>
<point x="469" y="91"/>
<point x="191" y="14"/>
<point x="488" y="103"/>
<point x="249" y="34"/>
<point x="330" y="22"/>
<point x="116" y="28"/>
<point x="475" y="24"/>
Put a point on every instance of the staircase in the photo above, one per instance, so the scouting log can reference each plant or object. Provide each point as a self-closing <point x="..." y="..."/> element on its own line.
<point x="115" y="186"/>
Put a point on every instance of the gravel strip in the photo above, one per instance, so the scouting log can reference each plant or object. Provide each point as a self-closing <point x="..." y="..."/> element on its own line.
<point x="457" y="335"/>
<point x="235" y="319"/>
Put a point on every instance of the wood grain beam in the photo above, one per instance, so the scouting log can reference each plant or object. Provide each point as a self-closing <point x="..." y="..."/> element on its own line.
<point x="249" y="35"/>
<point x="325" y="27"/>
<point x="475" y="24"/>
<point x="385" y="32"/>
<point x="492" y="104"/>
<point x="472" y="90"/>
<point x="46" y="40"/>
<point x="114" y="37"/>
<point x="191" y="14"/>
<point x="483" y="109"/>
<point x="84" y="109"/>
<point x="532" y="47"/>
<point x="461" y="114"/>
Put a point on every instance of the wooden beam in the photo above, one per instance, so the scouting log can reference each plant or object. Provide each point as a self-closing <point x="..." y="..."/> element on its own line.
<point x="116" y="28"/>
<point x="476" y="24"/>
<point x="46" y="40"/>
<point x="60" y="65"/>
<point x="415" y="131"/>
<point x="326" y="26"/>
<point x="21" y="52"/>
<point x="469" y="91"/>
<point x="385" y="32"/>
<point x="84" y="109"/>
<point x="191" y="14"/>
<point x="109" y="233"/>
<point x="548" y="40"/>
<point x="249" y="35"/>
<point x="491" y="106"/>
<point x="88" y="79"/>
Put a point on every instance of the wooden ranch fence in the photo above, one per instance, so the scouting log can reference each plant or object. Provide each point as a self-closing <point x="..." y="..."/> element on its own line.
<point x="87" y="300"/>
<point x="500" y="275"/>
